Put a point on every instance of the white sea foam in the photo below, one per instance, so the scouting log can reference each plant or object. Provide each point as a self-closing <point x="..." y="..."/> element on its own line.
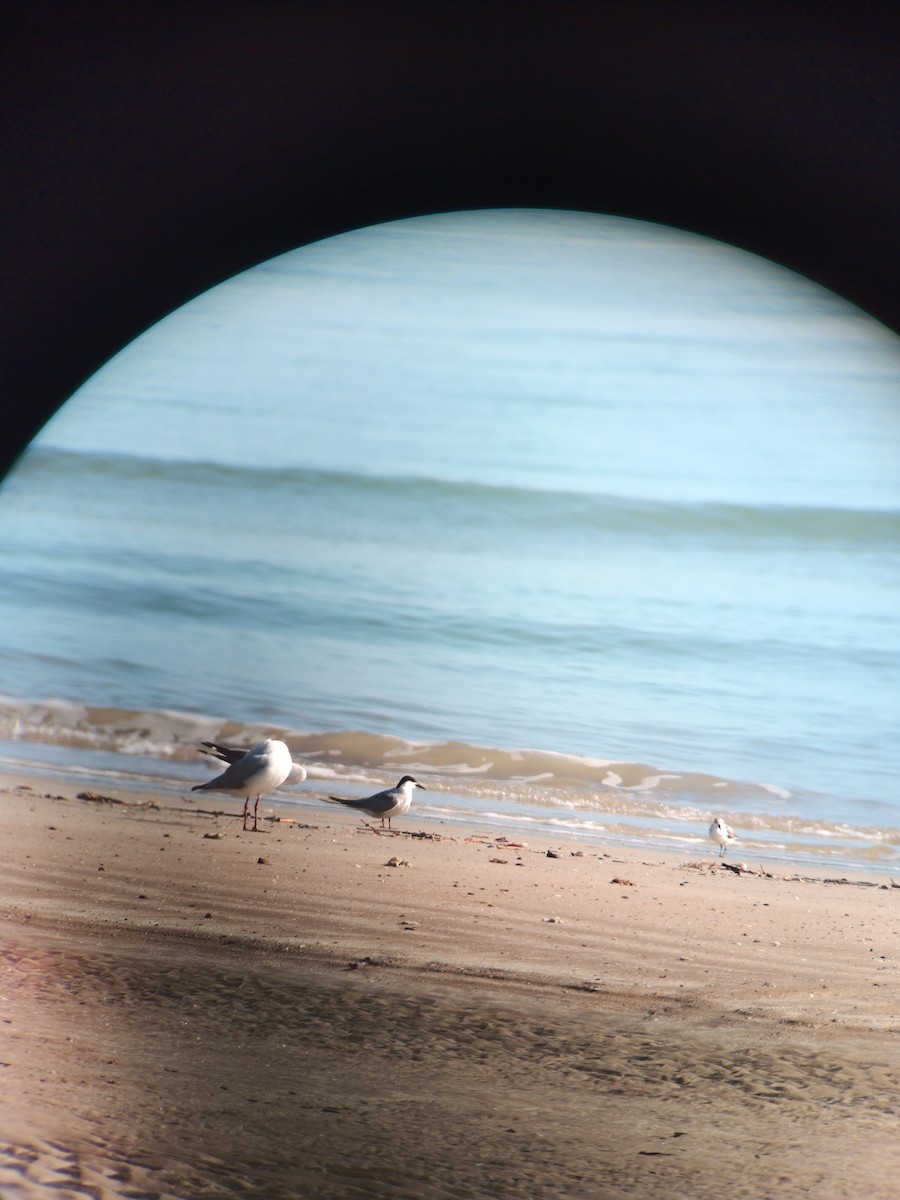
<point x="781" y="792"/>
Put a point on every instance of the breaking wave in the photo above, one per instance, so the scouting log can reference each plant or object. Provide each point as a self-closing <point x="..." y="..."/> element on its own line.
<point x="620" y="802"/>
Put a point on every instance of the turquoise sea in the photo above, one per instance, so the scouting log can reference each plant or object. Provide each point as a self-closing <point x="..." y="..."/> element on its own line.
<point x="592" y="524"/>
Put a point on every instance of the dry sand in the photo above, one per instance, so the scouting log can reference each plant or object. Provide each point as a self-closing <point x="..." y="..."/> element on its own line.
<point x="189" y="1010"/>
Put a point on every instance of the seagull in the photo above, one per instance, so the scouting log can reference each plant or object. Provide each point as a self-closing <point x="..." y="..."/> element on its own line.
<point x="262" y="768"/>
<point x="233" y="754"/>
<point x="723" y="835"/>
<point x="391" y="803"/>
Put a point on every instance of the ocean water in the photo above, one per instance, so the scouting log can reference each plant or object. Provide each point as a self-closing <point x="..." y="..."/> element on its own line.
<point x="592" y="523"/>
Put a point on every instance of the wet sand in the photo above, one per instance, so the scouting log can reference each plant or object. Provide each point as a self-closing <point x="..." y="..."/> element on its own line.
<point x="193" y="1011"/>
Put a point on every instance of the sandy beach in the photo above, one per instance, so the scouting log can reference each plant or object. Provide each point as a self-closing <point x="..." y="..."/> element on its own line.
<point x="322" y="1010"/>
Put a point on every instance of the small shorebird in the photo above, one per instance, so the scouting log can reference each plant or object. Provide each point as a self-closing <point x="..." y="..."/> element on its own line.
<point x="263" y="768"/>
<point x="233" y="754"/>
<point x="723" y="835"/>
<point x="391" y="803"/>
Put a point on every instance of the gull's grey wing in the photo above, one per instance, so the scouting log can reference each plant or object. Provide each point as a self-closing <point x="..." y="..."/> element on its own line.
<point x="229" y="754"/>
<point x="235" y="777"/>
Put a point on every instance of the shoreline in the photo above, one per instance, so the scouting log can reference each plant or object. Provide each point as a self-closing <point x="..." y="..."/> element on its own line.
<point x="780" y="845"/>
<point x="433" y="1015"/>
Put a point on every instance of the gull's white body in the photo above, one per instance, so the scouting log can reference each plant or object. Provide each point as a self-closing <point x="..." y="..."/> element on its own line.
<point x="263" y="768"/>
<point x="233" y="754"/>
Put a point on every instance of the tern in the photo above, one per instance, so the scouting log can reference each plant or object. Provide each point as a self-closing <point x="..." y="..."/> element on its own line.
<point x="391" y="803"/>
<point x="723" y="835"/>
<point x="263" y="768"/>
